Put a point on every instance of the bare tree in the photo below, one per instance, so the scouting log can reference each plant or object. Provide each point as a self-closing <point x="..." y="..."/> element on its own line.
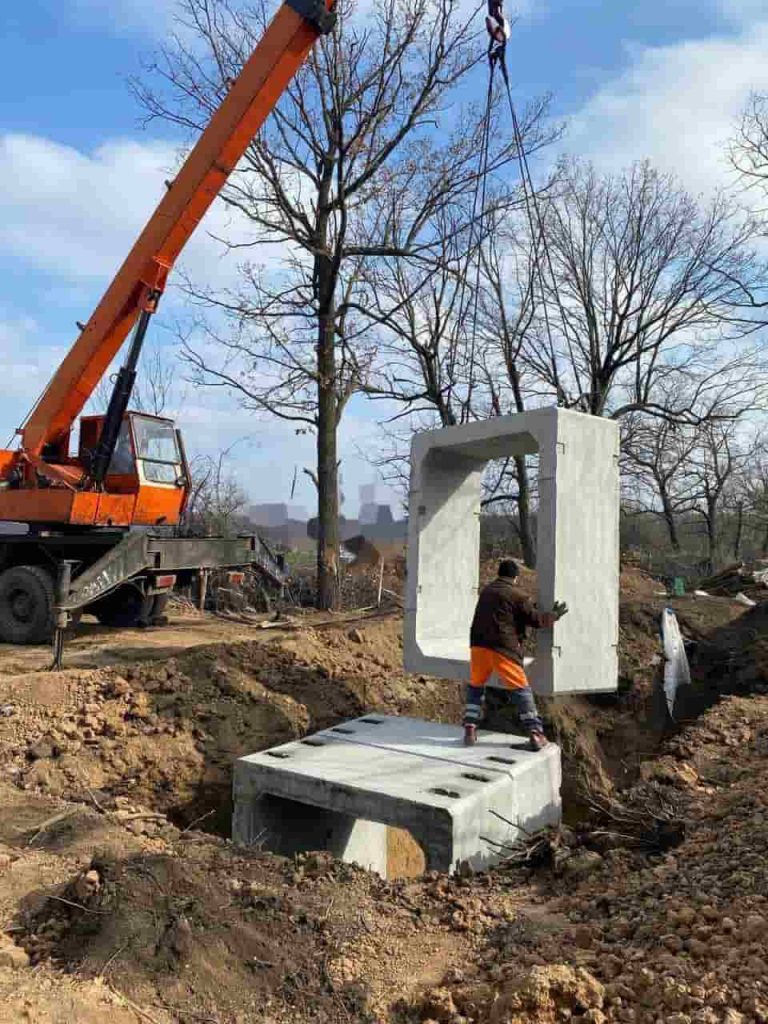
<point x="510" y="312"/>
<point x="756" y="496"/>
<point x="420" y="340"/>
<point x="216" y="499"/>
<point x="156" y="391"/>
<point x="643" y="293"/>
<point x="367" y="111"/>
<point x="749" y="147"/>
<point x="433" y="348"/>
<point x="720" y="453"/>
<point x="656" y="456"/>
<point x="156" y="388"/>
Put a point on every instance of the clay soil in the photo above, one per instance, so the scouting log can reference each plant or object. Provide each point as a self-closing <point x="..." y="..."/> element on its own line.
<point x="123" y="900"/>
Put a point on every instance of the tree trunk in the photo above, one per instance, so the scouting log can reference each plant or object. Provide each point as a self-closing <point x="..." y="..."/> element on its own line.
<point x="712" y="537"/>
<point x="527" y="541"/>
<point x="326" y="273"/>
<point x="327" y="462"/>
<point x="671" y="521"/>
<point x="739" y="530"/>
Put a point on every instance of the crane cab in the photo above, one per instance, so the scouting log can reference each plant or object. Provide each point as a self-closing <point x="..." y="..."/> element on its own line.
<point x="147" y="474"/>
<point x="146" y="484"/>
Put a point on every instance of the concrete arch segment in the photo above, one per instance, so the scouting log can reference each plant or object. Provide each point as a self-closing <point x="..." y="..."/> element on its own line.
<point x="577" y="540"/>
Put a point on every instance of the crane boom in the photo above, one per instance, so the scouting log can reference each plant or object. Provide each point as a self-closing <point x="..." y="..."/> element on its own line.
<point x="141" y="280"/>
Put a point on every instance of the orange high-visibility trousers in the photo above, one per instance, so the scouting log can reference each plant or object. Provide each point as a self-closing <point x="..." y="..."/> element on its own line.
<point x="484" y="662"/>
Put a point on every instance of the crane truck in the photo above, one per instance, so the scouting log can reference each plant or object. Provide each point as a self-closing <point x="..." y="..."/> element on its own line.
<point x="96" y="529"/>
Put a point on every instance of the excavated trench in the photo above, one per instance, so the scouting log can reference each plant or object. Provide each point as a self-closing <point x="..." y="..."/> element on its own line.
<point x="163" y="735"/>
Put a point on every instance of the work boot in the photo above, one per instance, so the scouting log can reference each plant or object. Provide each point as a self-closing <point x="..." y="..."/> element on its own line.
<point x="470" y="734"/>
<point x="537" y="740"/>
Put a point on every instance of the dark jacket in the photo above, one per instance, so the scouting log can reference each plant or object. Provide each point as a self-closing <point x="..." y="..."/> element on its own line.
<point x="502" y="615"/>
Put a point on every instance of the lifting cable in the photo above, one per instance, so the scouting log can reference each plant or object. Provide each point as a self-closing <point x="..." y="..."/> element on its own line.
<point x="499" y="32"/>
<point x="480" y="180"/>
<point x="484" y="180"/>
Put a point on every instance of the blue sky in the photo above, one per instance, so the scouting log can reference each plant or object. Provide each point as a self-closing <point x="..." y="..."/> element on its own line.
<point x="635" y="78"/>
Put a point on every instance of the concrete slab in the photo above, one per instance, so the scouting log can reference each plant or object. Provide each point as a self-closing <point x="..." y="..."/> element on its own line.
<point x="335" y="789"/>
<point x="578" y="545"/>
<point x="496" y="751"/>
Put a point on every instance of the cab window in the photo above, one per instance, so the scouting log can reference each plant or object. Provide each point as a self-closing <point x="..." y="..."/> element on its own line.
<point x="121" y="462"/>
<point x="157" y="450"/>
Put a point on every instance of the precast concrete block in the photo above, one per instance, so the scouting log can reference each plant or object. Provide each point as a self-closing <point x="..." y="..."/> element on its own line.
<point x="577" y="545"/>
<point x="338" y="790"/>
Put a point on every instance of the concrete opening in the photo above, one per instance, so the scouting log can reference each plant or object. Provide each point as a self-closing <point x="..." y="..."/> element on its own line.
<point x="577" y="545"/>
<point x="289" y="827"/>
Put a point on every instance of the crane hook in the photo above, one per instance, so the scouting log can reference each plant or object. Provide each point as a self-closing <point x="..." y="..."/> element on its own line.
<point x="498" y="29"/>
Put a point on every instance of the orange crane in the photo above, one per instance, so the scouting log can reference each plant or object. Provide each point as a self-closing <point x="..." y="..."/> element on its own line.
<point x="130" y="469"/>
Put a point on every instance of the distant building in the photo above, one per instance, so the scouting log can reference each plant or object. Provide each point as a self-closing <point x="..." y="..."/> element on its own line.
<point x="368" y="506"/>
<point x="376" y="515"/>
<point x="384" y="516"/>
<point x="383" y="528"/>
<point x="368" y="513"/>
<point x="275" y="514"/>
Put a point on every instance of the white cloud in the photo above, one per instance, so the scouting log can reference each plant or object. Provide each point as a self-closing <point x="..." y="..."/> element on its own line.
<point x="76" y="215"/>
<point x="73" y="214"/>
<point x="264" y="451"/>
<point x="24" y="358"/>
<point x="677" y="105"/>
<point x="69" y="218"/>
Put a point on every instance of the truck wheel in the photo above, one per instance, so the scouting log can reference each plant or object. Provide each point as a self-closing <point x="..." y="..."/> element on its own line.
<point x="27" y="599"/>
<point x="126" y="606"/>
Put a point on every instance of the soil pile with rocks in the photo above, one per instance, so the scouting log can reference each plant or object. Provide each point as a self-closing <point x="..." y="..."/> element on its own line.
<point x="185" y="926"/>
<point x="115" y="907"/>
<point x="674" y="938"/>
<point x="734" y="658"/>
<point x="166" y="733"/>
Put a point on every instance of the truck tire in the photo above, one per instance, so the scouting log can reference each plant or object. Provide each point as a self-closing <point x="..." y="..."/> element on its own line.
<point x="126" y="606"/>
<point x="27" y="599"/>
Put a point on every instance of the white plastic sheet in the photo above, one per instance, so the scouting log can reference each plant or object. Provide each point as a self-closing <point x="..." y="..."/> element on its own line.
<point x="677" y="671"/>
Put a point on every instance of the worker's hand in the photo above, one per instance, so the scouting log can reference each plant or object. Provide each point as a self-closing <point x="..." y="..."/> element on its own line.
<point x="559" y="609"/>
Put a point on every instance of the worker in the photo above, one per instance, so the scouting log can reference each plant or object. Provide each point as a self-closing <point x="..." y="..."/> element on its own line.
<point x="502" y="615"/>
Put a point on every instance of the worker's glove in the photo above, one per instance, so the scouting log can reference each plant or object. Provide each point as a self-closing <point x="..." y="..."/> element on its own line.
<point x="559" y="609"/>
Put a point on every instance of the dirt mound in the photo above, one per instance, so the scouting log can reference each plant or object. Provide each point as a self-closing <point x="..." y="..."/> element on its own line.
<point x="634" y="583"/>
<point x="546" y="994"/>
<point x="186" y="927"/>
<point x="166" y="733"/>
<point x="224" y="934"/>
<point x="126" y="916"/>
<point x="679" y="937"/>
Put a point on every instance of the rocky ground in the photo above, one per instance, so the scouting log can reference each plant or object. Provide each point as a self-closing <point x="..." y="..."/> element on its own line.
<point x="121" y="898"/>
